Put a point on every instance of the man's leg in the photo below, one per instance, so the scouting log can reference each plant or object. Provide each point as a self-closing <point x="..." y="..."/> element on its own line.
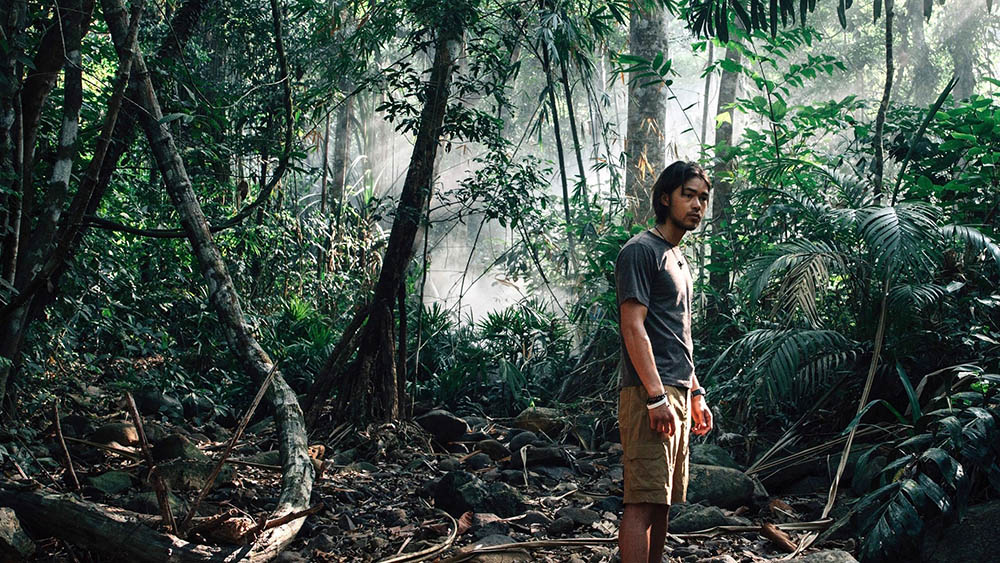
<point x="642" y="533"/>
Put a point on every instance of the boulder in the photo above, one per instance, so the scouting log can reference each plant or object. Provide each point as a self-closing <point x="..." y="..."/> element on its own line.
<point x="545" y="455"/>
<point x="582" y="516"/>
<point x="561" y="525"/>
<point x="540" y="419"/>
<point x="478" y="461"/>
<point x="146" y="503"/>
<point x="122" y="433"/>
<point x="112" y="482"/>
<point x="14" y="543"/>
<point x="835" y="556"/>
<point x="719" y="486"/>
<point x="176" y="446"/>
<point x="443" y="425"/>
<point x="493" y="448"/>
<point x="695" y="517"/>
<point x="970" y="539"/>
<point x="197" y="406"/>
<point x="459" y="492"/>
<point x="502" y="557"/>
<point x="188" y="475"/>
<point x="523" y="439"/>
<point x="272" y="457"/>
<point x="710" y="454"/>
<point x="76" y="426"/>
<point x="156" y="403"/>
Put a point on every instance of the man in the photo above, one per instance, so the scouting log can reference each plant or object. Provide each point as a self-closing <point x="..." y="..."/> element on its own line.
<point x="659" y="395"/>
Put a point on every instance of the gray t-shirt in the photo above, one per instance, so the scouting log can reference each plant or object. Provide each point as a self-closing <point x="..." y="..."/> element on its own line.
<point x="654" y="272"/>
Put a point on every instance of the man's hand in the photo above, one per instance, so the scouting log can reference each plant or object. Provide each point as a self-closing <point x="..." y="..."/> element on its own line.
<point x="662" y="419"/>
<point x="701" y="416"/>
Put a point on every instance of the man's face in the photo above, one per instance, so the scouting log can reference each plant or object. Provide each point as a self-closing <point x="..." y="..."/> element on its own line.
<point x="687" y="204"/>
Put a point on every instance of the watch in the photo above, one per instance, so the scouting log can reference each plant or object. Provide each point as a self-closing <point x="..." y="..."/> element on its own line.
<point x="698" y="391"/>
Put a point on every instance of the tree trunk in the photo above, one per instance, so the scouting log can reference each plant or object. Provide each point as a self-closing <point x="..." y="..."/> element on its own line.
<point x="577" y="147"/>
<point x="722" y="189"/>
<point x="369" y="390"/>
<point x="884" y="105"/>
<point x="298" y="473"/>
<point x="645" y="141"/>
<point x="14" y="326"/>
<point x="547" y="69"/>
<point x="338" y="180"/>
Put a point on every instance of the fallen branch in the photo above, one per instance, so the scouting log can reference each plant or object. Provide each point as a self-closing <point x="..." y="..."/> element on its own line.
<point x="430" y="551"/>
<point x="62" y="442"/>
<point x="154" y="478"/>
<point x="229" y="447"/>
<point x="777" y="537"/>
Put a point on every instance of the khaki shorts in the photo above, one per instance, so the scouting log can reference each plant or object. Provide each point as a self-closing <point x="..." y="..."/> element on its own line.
<point x="656" y="465"/>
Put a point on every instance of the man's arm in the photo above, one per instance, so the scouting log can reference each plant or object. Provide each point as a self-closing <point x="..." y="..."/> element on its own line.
<point x="701" y="415"/>
<point x="640" y="352"/>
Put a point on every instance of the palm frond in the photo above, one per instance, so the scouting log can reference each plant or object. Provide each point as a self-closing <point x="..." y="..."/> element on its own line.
<point x="806" y="267"/>
<point x="974" y="238"/>
<point x="780" y="361"/>
<point x="905" y="233"/>
<point x="915" y="296"/>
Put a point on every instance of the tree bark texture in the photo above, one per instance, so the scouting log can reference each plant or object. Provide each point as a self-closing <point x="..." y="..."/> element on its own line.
<point x="645" y="141"/>
<point x="88" y="196"/>
<point x="883" y="107"/>
<point x="722" y="187"/>
<point x="369" y="390"/>
<point x="298" y="473"/>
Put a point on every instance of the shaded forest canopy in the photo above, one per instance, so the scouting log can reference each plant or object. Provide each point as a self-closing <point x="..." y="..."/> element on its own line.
<point x="378" y="210"/>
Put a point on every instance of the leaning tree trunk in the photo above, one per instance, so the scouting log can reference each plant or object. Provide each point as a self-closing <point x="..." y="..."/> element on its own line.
<point x="645" y="142"/>
<point x="297" y="476"/>
<point x="723" y="186"/>
<point x="370" y="390"/>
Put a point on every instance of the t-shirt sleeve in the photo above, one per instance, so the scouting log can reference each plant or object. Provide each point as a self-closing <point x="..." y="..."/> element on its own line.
<point x="634" y="271"/>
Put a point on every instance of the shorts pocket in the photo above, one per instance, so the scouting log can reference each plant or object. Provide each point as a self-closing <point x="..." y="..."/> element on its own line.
<point x="646" y="468"/>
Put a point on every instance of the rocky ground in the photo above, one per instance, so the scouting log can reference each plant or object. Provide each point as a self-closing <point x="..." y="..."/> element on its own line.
<point x="446" y="486"/>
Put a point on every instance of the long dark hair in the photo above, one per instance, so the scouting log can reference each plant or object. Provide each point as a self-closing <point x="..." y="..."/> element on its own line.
<point x="673" y="177"/>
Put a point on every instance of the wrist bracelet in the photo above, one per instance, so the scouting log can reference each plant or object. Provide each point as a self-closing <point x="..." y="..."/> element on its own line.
<point x="698" y="391"/>
<point x="655" y="399"/>
<point x="662" y="401"/>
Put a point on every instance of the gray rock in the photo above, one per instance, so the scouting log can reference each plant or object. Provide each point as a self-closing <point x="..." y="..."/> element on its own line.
<point x="710" y="454"/>
<point x="523" y="439"/>
<point x="155" y="403"/>
<point x="718" y="559"/>
<point x="445" y="426"/>
<point x="545" y="455"/>
<point x="534" y="517"/>
<point x="147" y="504"/>
<point x="76" y="426"/>
<point x="176" y="446"/>
<point x="493" y="448"/>
<point x="719" y="486"/>
<point x="475" y="436"/>
<point x="582" y="516"/>
<point x="695" y="517"/>
<point x="971" y="539"/>
<point x="290" y="557"/>
<point x="197" y="406"/>
<point x="323" y="543"/>
<point x="14" y="543"/>
<point x="449" y="464"/>
<point x="610" y="504"/>
<point x="478" y="461"/>
<point x="561" y="525"/>
<point x="540" y="419"/>
<point x="459" y="492"/>
<point x="554" y="472"/>
<point x="112" y="482"/>
<point x="498" y="539"/>
<point x="838" y="556"/>
<point x="188" y="474"/>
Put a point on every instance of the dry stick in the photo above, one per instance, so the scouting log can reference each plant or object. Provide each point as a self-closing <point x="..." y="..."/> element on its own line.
<point x="154" y="477"/>
<point x="778" y="537"/>
<point x="430" y="551"/>
<point x="62" y="442"/>
<point x="229" y="446"/>
<point x="292" y="516"/>
<point x="702" y="534"/>
<point x="105" y="447"/>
